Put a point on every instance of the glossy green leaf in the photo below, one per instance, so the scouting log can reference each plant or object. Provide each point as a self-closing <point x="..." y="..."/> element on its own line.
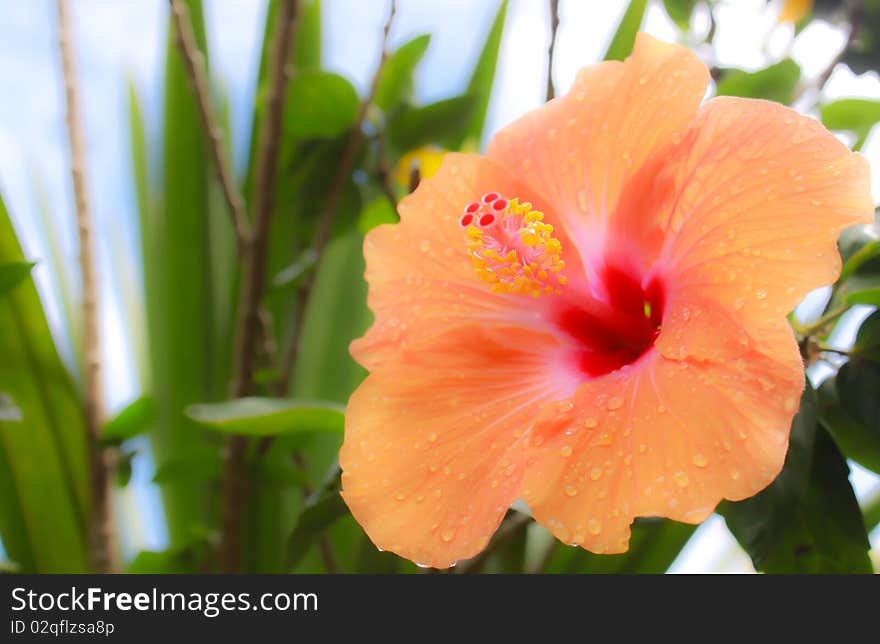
<point x="855" y="238"/>
<point x="320" y="105"/>
<point x="43" y="452"/>
<point x="269" y="416"/>
<point x="856" y="439"/>
<point x="480" y="86"/>
<point x="856" y="115"/>
<point x="680" y="12"/>
<point x="774" y="83"/>
<point x="624" y="39"/>
<point x="134" y="419"/>
<point x="808" y="519"/>
<point x="12" y="274"/>
<point x="867" y="253"/>
<point x="414" y="127"/>
<point x="396" y="82"/>
<point x="867" y="342"/>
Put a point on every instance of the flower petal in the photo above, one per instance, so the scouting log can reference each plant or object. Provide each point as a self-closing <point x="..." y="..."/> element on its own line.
<point x="434" y="451"/>
<point x="420" y="274"/>
<point x="664" y="438"/>
<point x="763" y="193"/>
<point x="580" y="150"/>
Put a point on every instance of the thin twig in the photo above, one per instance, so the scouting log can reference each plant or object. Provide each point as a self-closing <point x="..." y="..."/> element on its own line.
<point x="102" y="550"/>
<point x="254" y="278"/>
<point x="554" y="27"/>
<point x="509" y="529"/>
<point x="325" y="220"/>
<point x="195" y="70"/>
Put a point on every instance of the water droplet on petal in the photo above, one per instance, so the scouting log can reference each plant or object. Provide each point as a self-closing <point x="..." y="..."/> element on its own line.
<point x="590" y="423"/>
<point x="615" y="402"/>
<point x="571" y="490"/>
<point x="447" y="535"/>
<point x="565" y="451"/>
<point x="595" y="473"/>
<point x="681" y="479"/>
<point x="594" y="526"/>
<point x="700" y="460"/>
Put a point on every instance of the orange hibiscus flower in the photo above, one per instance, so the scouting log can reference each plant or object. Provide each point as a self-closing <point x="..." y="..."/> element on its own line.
<point x="591" y="317"/>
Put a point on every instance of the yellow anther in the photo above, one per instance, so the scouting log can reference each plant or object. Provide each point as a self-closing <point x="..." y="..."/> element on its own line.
<point x="512" y="248"/>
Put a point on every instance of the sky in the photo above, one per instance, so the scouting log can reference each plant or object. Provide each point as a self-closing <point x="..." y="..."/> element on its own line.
<point x="118" y="42"/>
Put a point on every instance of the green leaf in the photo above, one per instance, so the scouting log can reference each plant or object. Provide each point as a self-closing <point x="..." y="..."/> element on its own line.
<point x="680" y="12"/>
<point x="414" y="127"/>
<point x="395" y="84"/>
<point x="12" y="274"/>
<point x="314" y="520"/>
<point x="320" y="105"/>
<point x="856" y="115"/>
<point x="307" y="44"/>
<point x="269" y="416"/>
<point x="134" y="419"/>
<point x="183" y="285"/>
<point x="856" y="439"/>
<point x="43" y="453"/>
<point x="867" y="253"/>
<point x="867" y="342"/>
<point x="774" y="83"/>
<point x="808" y="519"/>
<point x="480" y="86"/>
<point x="624" y="39"/>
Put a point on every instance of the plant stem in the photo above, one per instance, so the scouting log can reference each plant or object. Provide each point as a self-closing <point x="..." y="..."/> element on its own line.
<point x="254" y="279"/>
<point x="194" y="62"/>
<point x="101" y="538"/>
<point x="806" y="331"/>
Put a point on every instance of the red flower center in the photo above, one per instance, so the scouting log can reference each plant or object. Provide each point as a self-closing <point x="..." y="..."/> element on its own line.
<point x="615" y="326"/>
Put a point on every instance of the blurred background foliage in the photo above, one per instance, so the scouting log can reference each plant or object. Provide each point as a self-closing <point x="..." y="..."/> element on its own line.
<point x="344" y="157"/>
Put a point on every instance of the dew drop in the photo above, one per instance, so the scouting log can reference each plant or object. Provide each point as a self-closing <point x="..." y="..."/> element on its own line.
<point x="700" y="460"/>
<point x="615" y="402"/>
<point x="734" y="474"/>
<point x="590" y="422"/>
<point x="447" y="535"/>
<point x="565" y="451"/>
<point x="681" y="479"/>
<point x="789" y="404"/>
<point x="571" y="490"/>
<point x="661" y="409"/>
<point x="595" y="473"/>
<point x="594" y="526"/>
<point x="425" y="246"/>
<point x="432" y="437"/>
